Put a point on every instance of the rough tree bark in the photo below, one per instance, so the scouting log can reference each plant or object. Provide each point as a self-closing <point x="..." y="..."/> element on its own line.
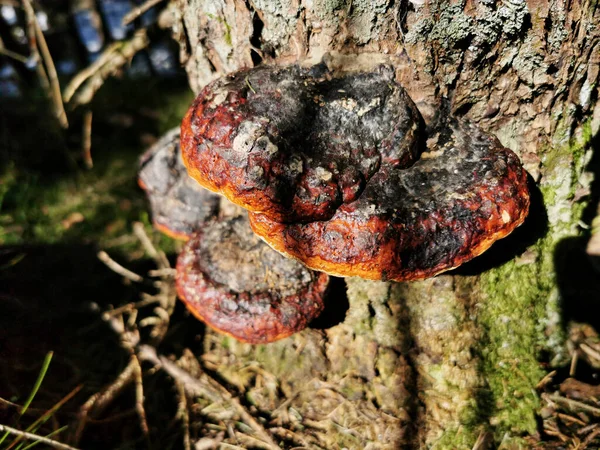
<point x="437" y="363"/>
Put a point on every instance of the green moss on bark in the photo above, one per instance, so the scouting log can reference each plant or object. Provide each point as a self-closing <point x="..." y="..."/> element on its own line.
<point x="520" y="309"/>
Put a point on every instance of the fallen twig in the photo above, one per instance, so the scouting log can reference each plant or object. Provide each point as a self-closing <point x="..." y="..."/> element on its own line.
<point x="118" y="268"/>
<point x="139" y="398"/>
<point x="574" y="404"/>
<point x="100" y="400"/>
<point x="591" y="352"/>
<point x="162" y="273"/>
<point x="591" y="437"/>
<point x="128" y="332"/>
<point x="546" y="380"/>
<point x="183" y="414"/>
<point x="35" y="437"/>
<point x="573" y="366"/>
<point x="86" y="140"/>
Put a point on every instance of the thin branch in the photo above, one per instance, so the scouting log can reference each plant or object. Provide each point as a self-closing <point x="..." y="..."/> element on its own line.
<point x="50" y="413"/>
<point x="136" y="12"/>
<point x="100" y="400"/>
<point x="170" y="273"/>
<point x="5" y="403"/>
<point x="139" y="398"/>
<point x="158" y="256"/>
<point x="56" y="96"/>
<point x="574" y="404"/>
<point x="33" y="48"/>
<point x="108" y="63"/>
<point x="14" y="55"/>
<point x="86" y="139"/>
<point x="182" y="412"/>
<point x="35" y="437"/>
<point x="118" y="268"/>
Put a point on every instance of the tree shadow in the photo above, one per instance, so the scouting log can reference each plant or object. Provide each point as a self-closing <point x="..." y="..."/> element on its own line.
<point x="593" y="166"/>
<point x="578" y="274"/>
<point x="578" y="278"/>
<point x="51" y="299"/>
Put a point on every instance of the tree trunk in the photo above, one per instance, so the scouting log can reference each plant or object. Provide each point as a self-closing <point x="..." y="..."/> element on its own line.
<point x="445" y="361"/>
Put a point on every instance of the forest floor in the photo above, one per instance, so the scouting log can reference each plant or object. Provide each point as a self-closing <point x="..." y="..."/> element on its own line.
<point x="56" y="215"/>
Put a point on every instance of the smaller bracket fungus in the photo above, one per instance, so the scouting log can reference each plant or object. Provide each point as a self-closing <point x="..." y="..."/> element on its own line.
<point x="466" y="192"/>
<point x="179" y="204"/>
<point x="296" y="143"/>
<point x="236" y="284"/>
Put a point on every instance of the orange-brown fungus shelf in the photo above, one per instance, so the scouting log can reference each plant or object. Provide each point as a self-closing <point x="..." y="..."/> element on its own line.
<point x="296" y="143"/>
<point x="338" y="172"/>
<point x="238" y="285"/>
<point x="465" y="192"/>
<point x="179" y="204"/>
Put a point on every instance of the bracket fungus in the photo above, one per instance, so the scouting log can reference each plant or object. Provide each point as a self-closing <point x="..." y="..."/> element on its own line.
<point x="336" y="174"/>
<point x="329" y="167"/>
<point x="238" y="285"/>
<point x="226" y="275"/>
<point x="178" y="204"/>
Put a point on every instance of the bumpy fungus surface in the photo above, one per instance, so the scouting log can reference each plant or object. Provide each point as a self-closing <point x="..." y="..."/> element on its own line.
<point x="238" y="285"/>
<point x="179" y="204"/>
<point x="294" y="143"/>
<point x="331" y="171"/>
<point x="464" y="193"/>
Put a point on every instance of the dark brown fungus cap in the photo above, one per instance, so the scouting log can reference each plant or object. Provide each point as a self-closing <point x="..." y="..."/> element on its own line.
<point x="179" y="204"/>
<point x="465" y="192"/>
<point x="239" y="286"/>
<point x="296" y="143"/>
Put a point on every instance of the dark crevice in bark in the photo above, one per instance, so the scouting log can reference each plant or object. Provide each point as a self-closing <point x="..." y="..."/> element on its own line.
<point x="255" y="39"/>
<point x="213" y="68"/>
<point x="336" y="306"/>
<point x="402" y="9"/>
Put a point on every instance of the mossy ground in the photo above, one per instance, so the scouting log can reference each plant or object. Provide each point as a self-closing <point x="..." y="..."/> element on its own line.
<point x="47" y="197"/>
